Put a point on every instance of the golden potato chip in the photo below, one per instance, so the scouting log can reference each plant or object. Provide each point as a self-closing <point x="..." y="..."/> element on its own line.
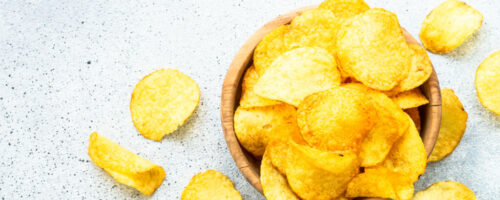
<point x="124" y="166"/>
<point x="274" y="184"/>
<point x="319" y="175"/>
<point x="371" y="48"/>
<point x="420" y="70"/>
<point x="415" y="116"/>
<point x="446" y="190"/>
<point x="162" y="101"/>
<point x="488" y="82"/>
<point x="297" y="74"/>
<point x="271" y="46"/>
<point x="382" y="183"/>
<point x="256" y="127"/>
<point x="336" y="119"/>
<point x="209" y="185"/>
<point x="345" y="8"/>
<point x="313" y="28"/>
<point x="449" y="25"/>
<point x="410" y="99"/>
<point x="248" y="97"/>
<point x="453" y="123"/>
<point x="277" y="151"/>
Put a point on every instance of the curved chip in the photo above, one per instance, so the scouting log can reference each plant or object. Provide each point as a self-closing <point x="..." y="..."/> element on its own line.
<point x="345" y="8"/>
<point x="297" y="74"/>
<point x="271" y="46"/>
<point x="313" y="28"/>
<point x="410" y="99"/>
<point x="256" y="127"/>
<point x="248" y="97"/>
<point x="414" y="113"/>
<point x="371" y="48"/>
<point x="274" y="184"/>
<point x="420" y="70"/>
<point x="488" y="82"/>
<point x="336" y="119"/>
<point x="319" y="175"/>
<point x="209" y="185"/>
<point x="446" y="190"/>
<point x="124" y="166"/>
<point x="449" y="25"/>
<point x="162" y="101"/>
<point x="453" y="123"/>
<point x="382" y="183"/>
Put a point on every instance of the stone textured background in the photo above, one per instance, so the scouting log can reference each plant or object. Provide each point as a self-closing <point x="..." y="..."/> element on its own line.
<point x="68" y="68"/>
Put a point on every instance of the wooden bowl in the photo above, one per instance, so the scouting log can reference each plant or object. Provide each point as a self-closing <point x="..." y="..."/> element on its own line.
<point x="231" y="91"/>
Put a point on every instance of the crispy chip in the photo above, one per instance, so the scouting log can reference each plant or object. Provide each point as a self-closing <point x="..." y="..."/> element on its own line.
<point x="371" y="48"/>
<point x="449" y="25"/>
<point x="248" y="97"/>
<point x="415" y="116"/>
<point x="271" y="46"/>
<point x="274" y="183"/>
<point x="345" y="8"/>
<point x="256" y="127"/>
<point x="209" y="185"/>
<point x="382" y="183"/>
<point x="453" y="123"/>
<point x="336" y="119"/>
<point x="162" y="101"/>
<point x="124" y="166"/>
<point x="319" y="175"/>
<point x="420" y="70"/>
<point x="488" y="82"/>
<point x="297" y="74"/>
<point x="446" y="190"/>
<point x="410" y="99"/>
<point x="313" y="28"/>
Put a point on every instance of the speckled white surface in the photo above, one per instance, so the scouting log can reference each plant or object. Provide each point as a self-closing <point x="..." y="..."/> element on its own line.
<point x="68" y="68"/>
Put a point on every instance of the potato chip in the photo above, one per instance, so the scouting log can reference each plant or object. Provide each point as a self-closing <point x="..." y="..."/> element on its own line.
<point x="162" y="101"/>
<point x="319" y="175"/>
<point x="410" y="99"/>
<point x="488" y="82"/>
<point x="209" y="185"/>
<point x="449" y="25"/>
<point x="336" y="119"/>
<point x="371" y="48"/>
<point x="124" y="166"/>
<point x="256" y="127"/>
<point x="345" y="8"/>
<point x="248" y="97"/>
<point x="415" y="116"/>
<point x="453" y="123"/>
<point x="297" y="74"/>
<point x="274" y="183"/>
<point x="271" y="46"/>
<point x="420" y="70"/>
<point x="446" y="190"/>
<point x="382" y="183"/>
<point x="313" y="28"/>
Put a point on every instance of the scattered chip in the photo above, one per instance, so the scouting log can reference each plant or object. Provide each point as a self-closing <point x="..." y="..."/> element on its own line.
<point x="248" y="97"/>
<point x="453" y="123"/>
<point x="449" y="25"/>
<point x="420" y="70"/>
<point x="488" y="82"/>
<point x="446" y="190"/>
<point x="271" y="46"/>
<point x="371" y="48"/>
<point x="124" y="166"/>
<point x="382" y="183"/>
<point x="415" y="116"/>
<point x="162" y="101"/>
<point x="410" y="99"/>
<point x="274" y="184"/>
<point x="256" y="127"/>
<point x="319" y="175"/>
<point x="345" y="8"/>
<point x="209" y="185"/>
<point x="297" y="74"/>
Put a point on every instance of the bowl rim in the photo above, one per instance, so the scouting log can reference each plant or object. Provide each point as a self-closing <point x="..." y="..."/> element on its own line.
<point x="431" y="113"/>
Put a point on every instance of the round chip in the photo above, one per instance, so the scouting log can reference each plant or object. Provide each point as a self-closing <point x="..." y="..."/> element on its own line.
<point x="453" y="123"/>
<point x="449" y="25"/>
<point x="248" y="97"/>
<point x="488" y="82"/>
<point x="420" y="70"/>
<point x="382" y="183"/>
<point x="209" y="185"/>
<point x="446" y="190"/>
<point x="345" y="8"/>
<point x="162" y="101"/>
<point x="274" y="184"/>
<point x="297" y="74"/>
<point x="271" y="46"/>
<point x="410" y="99"/>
